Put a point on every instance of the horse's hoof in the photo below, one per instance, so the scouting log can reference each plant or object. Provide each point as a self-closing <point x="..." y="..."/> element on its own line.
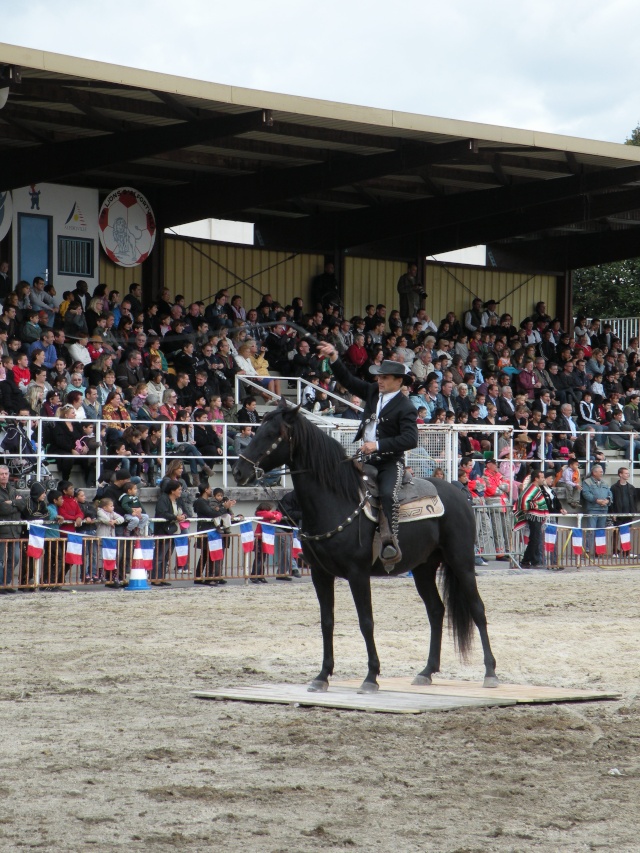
<point x="318" y="687"/>
<point x="369" y="687"/>
<point x="491" y="681"/>
<point x="422" y="681"/>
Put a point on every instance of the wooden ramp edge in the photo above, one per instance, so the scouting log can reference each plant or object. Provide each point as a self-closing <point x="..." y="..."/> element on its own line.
<point x="347" y="698"/>
<point x="519" y="693"/>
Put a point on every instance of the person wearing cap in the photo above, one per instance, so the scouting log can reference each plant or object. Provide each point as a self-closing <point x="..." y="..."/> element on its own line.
<point x="489" y="316"/>
<point x="388" y="428"/>
<point x="79" y="351"/>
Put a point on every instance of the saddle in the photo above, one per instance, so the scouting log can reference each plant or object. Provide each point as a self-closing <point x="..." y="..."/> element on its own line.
<point x="418" y="498"/>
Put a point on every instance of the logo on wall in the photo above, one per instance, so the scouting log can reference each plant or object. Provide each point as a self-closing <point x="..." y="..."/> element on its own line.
<point x="75" y="221"/>
<point x="127" y="227"/>
<point x="6" y="213"/>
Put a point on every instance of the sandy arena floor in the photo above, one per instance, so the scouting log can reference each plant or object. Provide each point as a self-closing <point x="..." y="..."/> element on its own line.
<point x="104" y="749"/>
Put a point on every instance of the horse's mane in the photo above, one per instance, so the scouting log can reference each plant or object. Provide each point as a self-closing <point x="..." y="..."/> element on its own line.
<point x="316" y="450"/>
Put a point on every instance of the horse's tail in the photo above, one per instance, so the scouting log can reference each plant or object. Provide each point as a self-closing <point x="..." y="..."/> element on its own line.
<point x="458" y="608"/>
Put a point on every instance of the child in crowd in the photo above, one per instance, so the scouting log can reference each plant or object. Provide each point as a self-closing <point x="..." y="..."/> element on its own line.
<point x="136" y="519"/>
<point x="107" y="520"/>
<point x="269" y="515"/>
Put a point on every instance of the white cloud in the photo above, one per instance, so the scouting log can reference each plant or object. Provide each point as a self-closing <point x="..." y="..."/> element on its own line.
<point x="569" y="67"/>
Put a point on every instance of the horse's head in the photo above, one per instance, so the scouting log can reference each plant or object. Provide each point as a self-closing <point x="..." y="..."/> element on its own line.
<point x="269" y="448"/>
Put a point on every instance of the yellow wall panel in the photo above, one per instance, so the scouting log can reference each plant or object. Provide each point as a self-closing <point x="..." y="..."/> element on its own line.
<point x="198" y="270"/>
<point x="449" y="288"/>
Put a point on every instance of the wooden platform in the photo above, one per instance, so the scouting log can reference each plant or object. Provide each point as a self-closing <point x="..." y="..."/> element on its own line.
<point x="347" y="698"/>
<point x="518" y="693"/>
<point x="399" y="696"/>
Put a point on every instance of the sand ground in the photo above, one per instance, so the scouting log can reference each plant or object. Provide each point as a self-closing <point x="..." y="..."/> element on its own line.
<point x="103" y="747"/>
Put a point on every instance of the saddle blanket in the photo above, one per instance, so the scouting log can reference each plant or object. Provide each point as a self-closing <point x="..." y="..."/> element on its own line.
<point x="418" y="501"/>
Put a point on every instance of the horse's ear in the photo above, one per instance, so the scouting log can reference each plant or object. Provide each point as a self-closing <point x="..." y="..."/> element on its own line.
<point x="290" y="413"/>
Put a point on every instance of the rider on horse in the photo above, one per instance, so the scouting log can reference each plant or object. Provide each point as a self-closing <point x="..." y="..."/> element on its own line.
<point x="388" y="428"/>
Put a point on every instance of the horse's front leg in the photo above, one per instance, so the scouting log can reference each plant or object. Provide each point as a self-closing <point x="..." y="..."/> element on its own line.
<point x="324" y="584"/>
<point x="360" y="585"/>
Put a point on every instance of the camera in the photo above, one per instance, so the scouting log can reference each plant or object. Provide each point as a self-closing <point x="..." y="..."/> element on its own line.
<point x="423" y="294"/>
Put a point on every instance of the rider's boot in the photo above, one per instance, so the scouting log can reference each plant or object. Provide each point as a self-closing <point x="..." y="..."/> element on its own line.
<point x="389" y="547"/>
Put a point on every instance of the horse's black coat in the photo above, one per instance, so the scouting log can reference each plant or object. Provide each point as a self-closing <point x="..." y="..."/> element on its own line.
<point x="329" y="486"/>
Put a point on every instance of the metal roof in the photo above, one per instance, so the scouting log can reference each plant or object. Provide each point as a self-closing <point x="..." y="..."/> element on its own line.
<point x="318" y="175"/>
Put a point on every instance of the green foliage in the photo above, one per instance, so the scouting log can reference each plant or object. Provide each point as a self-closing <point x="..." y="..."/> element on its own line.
<point x="609" y="290"/>
<point x="634" y="139"/>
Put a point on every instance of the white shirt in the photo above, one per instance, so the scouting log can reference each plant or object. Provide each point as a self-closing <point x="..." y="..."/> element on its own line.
<point x="371" y="429"/>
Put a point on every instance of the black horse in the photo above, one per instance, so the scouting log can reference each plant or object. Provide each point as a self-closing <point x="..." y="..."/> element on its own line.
<point x="337" y="540"/>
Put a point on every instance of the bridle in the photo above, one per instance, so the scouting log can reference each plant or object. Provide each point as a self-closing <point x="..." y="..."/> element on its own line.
<point x="258" y="472"/>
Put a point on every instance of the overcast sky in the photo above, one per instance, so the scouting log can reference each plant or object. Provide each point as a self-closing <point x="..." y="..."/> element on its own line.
<point x="564" y="66"/>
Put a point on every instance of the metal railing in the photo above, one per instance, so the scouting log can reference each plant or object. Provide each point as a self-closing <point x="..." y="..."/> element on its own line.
<point x="51" y="571"/>
<point x="438" y="447"/>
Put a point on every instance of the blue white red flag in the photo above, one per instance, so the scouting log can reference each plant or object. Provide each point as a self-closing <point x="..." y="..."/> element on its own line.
<point x="182" y="550"/>
<point x="296" y="547"/>
<point x="268" y="539"/>
<point x="601" y="541"/>
<point x="576" y="540"/>
<point x="550" y="536"/>
<point x="147" y="554"/>
<point x="73" y="555"/>
<point x="246" y="536"/>
<point x="109" y="554"/>
<point x="216" y="551"/>
<point x="35" y="548"/>
<point x="625" y="537"/>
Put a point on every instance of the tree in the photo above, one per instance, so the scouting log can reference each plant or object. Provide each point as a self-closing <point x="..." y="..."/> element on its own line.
<point x="609" y="290"/>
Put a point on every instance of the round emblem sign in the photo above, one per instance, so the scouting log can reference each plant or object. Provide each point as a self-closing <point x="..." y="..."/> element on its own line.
<point x="127" y="227"/>
<point x="6" y="213"/>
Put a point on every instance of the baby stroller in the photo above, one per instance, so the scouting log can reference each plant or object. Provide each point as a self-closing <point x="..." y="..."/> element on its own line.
<point x="20" y="456"/>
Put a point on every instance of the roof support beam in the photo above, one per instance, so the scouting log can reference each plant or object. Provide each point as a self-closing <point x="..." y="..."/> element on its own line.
<point x="556" y="254"/>
<point x="219" y="197"/>
<point x="581" y="209"/>
<point x="63" y="159"/>
<point x="363" y="227"/>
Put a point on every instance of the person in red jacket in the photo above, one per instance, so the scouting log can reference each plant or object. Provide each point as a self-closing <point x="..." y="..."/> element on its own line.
<point x="356" y="355"/>
<point x="21" y="372"/>
<point x="70" y="509"/>
<point x="268" y="514"/>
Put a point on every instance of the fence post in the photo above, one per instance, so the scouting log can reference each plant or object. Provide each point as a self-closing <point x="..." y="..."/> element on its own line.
<point x="98" y="446"/>
<point x="40" y="451"/>
<point x="163" y="449"/>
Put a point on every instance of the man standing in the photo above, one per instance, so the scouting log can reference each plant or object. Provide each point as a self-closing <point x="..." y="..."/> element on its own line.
<point x="10" y="505"/>
<point x="41" y="301"/>
<point x="388" y="428"/>
<point x="410" y="291"/>
<point x="624" y="498"/>
<point x="533" y="510"/>
<point x="597" y="499"/>
<point x="5" y="280"/>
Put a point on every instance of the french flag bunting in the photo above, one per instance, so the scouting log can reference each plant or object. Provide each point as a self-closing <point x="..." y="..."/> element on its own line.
<point x="147" y="546"/>
<point x="216" y="551"/>
<point x="246" y="536"/>
<point x="74" y="549"/>
<point x="296" y="547"/>
<point x="35" y="548"/>
<point x="525" y="534"/>
<point x="601" y="541"/>
<point x="182" y="550"/>
<point x="268" y="539"/>
<point x="625" y="537"/>
<point x="109" y="554"/>
<point x="576" y="540"/>
<point x="550" y="536"/>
